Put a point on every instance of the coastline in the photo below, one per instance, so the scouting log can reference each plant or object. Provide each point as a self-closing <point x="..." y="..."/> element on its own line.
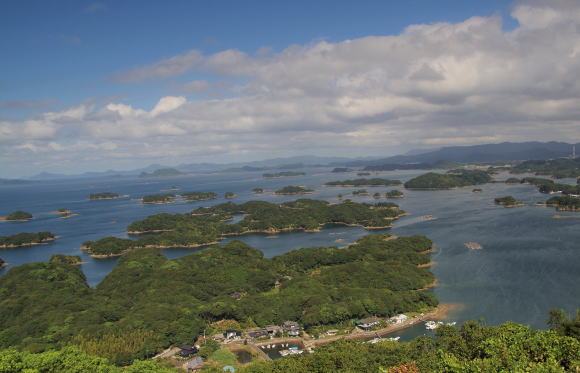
<point x="43" y="242"/>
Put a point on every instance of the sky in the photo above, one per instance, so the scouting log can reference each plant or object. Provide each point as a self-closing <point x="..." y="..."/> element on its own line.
<point x="91" y="86"/>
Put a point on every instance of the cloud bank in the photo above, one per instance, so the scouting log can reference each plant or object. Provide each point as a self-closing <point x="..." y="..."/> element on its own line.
<point x="437" y="84"/>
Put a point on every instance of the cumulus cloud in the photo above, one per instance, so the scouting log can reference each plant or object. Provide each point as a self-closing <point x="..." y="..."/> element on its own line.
<point x="432" y="85"/>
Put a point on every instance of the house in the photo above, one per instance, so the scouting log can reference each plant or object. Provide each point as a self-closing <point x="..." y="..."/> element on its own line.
<point x="218" y="337"/>
<point x="195" y="364"/>
<point x="236" y="295"/>
<point x="188" y="350"/>
<point x="368" y="323"/>
<point x="399" y="318"/>
<point x="232" y="334"/>
<point x="292" y="328"/>
<point x="258" y="333"/>
<point x="273" y="329"/>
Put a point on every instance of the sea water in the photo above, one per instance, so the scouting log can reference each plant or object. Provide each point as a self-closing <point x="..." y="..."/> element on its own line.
<point x="529" y="263"/>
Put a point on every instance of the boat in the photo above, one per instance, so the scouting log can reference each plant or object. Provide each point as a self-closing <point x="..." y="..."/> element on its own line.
<point x="291" y="351"/>
<point x="431" y="325"/>
<point x="428" y="217"/>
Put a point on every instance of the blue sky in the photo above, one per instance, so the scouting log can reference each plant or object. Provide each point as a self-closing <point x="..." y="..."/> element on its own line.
<point x="63" y="52"/>
<point x="122" y="84"/>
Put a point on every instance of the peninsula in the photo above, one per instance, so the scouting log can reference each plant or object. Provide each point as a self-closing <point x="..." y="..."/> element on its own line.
<point x="208" y="225"/>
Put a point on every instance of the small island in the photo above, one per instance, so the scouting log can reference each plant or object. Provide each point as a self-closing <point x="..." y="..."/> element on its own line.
<point x="283" y="174"/>
<point x="452" y="179"/>
<point x="290" y="190"/>
<point x="198" y="196"/>
<point x="564" y="203"/>
<point x="257" y="190"/>
<point x="341" y="169"/>
<point x="513" y="180"/>
<point x="360" y="192"/>
<point x="377" y="195"/>
<point x="395" y="193"/>
<point x="363" y="174"/>
<point x="162" y="172"/>
<point x="376" y="182"/>
<point x="65" y="213"/>
<point x="26" y="239"/>
<point x="158" y="199"/>
<point x="18" y="216"/>
<point x="229" y="195"/>
<point x="508" y="201"/>
<point x="104" y="195"/>
<point x="477" y="190"/>
<point x="65" y="259"/>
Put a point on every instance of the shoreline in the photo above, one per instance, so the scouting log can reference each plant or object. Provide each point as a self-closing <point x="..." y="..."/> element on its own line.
<point x="43" y="242"/>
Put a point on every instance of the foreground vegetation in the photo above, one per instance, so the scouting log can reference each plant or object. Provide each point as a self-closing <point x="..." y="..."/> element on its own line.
<point x="473" y="348"/>
<point x="25" y="239"/>
<point x="452" y="179"/>
<point x="364" y="182"/>
<point x="148" y="302"/>
<point x="207" y="225"/>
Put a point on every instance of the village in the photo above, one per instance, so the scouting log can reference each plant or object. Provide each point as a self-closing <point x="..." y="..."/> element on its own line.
<point x="289" y="338"/>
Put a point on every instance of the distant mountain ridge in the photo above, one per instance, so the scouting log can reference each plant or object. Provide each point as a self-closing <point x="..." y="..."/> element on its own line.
<point x="506" y="151"/>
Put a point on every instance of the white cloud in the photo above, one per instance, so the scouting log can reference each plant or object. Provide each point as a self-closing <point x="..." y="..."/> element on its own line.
<point x="436" y="84"/>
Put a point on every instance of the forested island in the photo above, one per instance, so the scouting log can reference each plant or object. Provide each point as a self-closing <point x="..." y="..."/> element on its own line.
<point x="360" y="192"/>
<point x="162" y="172"/>
<point x="229" y="195"/>
<point x="148" y="302"/>
<point x="18" y="216"/>
<point x="207" y="225"/>
<point x="557" y="168"/>
<point x="395" y="193"/>
<point x="104" y="195"/>
<point x="508" y="201"/>
<point x="549" y="186"/>
<point x="564" y="203"/>
<point x="341" y="169"/>
<point x="364" y="182"/>
<point x="26" y="239"/>
<point x="513" y="180"/>
<point x="291" y="189"/>
<point x="157" y="199"/>
<point x="198" y="196"/>
<point x="363" y="174"/>
<point x="283" y="174"/>
<point x="452" y="179"/>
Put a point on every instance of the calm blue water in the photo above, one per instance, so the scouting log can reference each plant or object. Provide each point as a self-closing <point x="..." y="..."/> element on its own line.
<point x="530" y="262"/>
